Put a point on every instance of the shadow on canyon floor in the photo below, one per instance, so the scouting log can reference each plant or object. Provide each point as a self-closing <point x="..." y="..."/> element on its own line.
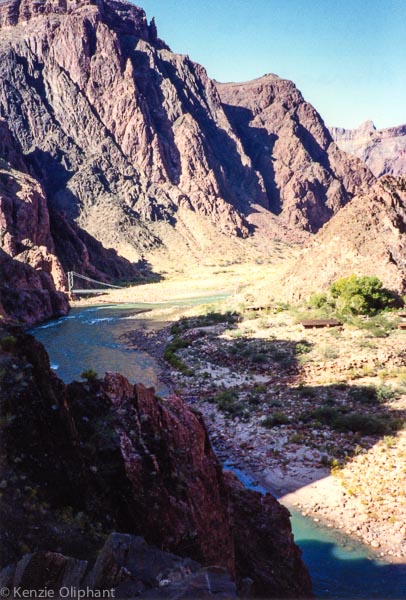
<point x="270" y="407"/>
<point x="350" y="577"/>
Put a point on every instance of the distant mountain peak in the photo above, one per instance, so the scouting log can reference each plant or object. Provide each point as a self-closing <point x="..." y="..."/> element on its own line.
<point x="383" y="150"/>
<point x="367" y="125"/>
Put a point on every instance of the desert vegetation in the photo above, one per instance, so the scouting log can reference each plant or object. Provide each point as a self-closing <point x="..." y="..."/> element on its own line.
<point x="305" y="402"/>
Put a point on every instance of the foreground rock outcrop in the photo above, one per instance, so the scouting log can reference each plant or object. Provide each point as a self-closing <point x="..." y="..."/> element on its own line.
<point x="367" y="237"/>
<point x="128" y="139"/>
<point x="383" y="150"/>
<point x="126" y="567"/>
<point x="82" y="460"/>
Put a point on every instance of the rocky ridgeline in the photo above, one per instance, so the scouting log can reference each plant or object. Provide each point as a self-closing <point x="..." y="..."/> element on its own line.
<point x="383" y="150"/>
<point x="130" y="146"/>
<point x="81" y="460"/>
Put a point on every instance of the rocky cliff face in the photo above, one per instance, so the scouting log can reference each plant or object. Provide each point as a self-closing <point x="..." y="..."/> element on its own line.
<point x="28" y="295"/>
<point x="125" y="136"/>
<point x="383" y="150"/>
<point x="26" y="237"/>
<point x="81" y="460"/>
<point x="30" y="272"/>
<point x="367" y="237"/>
<point x="307" y="178"/>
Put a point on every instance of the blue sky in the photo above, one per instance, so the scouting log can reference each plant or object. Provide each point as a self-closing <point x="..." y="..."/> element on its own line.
<point x="348" y="57"/>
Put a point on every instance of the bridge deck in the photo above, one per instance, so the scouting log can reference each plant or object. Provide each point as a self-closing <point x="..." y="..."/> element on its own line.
<point x="88" y="291"/>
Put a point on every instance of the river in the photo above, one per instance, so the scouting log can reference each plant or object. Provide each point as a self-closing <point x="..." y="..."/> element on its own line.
<point x="89" y="338"/>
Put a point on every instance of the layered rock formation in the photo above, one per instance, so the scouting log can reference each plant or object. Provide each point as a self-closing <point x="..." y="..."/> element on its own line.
<point x="127" y="137"/>
<point x="28" y="295"/>
<point x="81" y="460"/>
<point x="383" y="150"/>
<point x="31" y="274"/>
<point x="367" y="237"/>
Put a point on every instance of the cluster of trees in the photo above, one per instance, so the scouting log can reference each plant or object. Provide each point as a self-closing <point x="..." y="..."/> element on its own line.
<point x="356" y="295"/>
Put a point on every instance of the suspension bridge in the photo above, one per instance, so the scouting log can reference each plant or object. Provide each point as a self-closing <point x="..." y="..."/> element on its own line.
<point x="72" y="290"/>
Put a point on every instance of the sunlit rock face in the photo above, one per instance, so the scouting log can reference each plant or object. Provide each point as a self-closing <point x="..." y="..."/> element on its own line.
<point x="124" y="135"/>
<point x="383" y="150"/>
<point x="367" y="237"/>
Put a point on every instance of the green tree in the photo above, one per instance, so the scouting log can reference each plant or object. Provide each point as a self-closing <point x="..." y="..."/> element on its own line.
<point x="361" y="295"/>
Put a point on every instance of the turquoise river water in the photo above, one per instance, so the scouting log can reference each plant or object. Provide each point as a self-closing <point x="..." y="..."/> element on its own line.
<point x="90" y="339"/>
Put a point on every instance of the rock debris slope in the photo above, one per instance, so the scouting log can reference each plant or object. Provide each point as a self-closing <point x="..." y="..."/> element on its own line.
<point x="89" y="458"/>
<point x="367" y="237"/>
<point x="127" y="137"/>
<point x="383" y="150"/>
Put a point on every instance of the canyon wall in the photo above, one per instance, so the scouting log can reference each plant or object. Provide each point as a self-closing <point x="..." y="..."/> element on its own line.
<point x="125" y="136"/>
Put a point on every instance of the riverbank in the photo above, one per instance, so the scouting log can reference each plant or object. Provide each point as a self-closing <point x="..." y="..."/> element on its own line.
<point x="265" y="388"/>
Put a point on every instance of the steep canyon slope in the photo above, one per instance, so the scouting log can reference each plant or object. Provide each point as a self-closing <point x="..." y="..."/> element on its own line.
<point x="30" y="272"/>
<point x="143" y="150"/>
<point x="33" y="259"/>
<point x="367" y="237"/>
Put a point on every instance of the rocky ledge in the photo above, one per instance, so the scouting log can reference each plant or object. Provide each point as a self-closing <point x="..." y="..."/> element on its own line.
<point x="126" y="567"/>
<point x="126" y="18"/>
<point x="79" y="461"/>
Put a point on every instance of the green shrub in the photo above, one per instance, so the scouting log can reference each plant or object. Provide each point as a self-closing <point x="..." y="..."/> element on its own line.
<point x="318" y="300"/>
<point x="169" y="355"/>
<point x="364" y="394"/>
<point x="385" y="392"/>
<point x="8" y="343"/>
<point x="361" y="295"/>
<point x="326" y="414"/>
<point x="228" y="402"/>
<point x="275" y="420"/>
<point x="89" y="375"/>
<point x="303" y="347"/>
<point x="341" y="420"/>
<point x="366" y="425"/>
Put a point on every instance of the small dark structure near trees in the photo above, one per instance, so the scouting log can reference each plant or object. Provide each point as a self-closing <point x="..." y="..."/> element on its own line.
<point x="320" y="323"/>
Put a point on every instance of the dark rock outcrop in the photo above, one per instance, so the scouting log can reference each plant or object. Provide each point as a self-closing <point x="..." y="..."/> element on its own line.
<point x="383" y="150"/>
<point x="126" y="567"/>
<point x="125" y="135"/>
<point x="28" y="295"/>
<point x="81" y="460"/>
<point x="32" y="276"/>
<point x="367" y="237"/>
<point x="26" y="236"/>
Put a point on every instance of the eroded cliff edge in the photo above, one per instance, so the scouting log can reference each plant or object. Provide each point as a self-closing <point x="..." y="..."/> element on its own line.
<point x="84" y="459"/>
